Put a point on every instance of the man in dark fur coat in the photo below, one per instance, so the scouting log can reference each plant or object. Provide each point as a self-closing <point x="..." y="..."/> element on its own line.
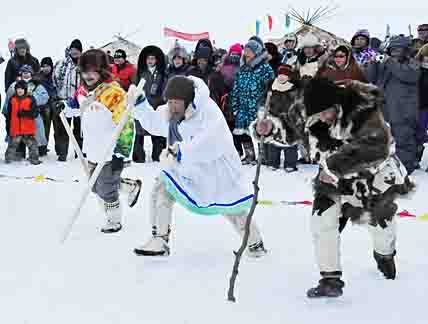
<point x="359" y="173"/>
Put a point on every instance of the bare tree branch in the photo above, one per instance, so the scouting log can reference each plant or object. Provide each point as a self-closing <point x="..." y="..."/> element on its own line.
<point x="240" y="252"/>
<point x="238" y="255"/>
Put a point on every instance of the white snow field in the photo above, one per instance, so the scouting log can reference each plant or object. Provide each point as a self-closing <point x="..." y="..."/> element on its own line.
<point x="96" y="279"/>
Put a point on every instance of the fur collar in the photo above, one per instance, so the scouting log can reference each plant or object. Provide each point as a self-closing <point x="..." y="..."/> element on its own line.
<point x="281" y="87"/>
<point x="358" y="100"/>
<point x="255" y="62"/>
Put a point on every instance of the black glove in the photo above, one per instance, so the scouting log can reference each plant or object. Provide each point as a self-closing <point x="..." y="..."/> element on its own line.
<point x="59" y="106"/>
<point x="116" y="163"/>
<point x="25" y="114"/>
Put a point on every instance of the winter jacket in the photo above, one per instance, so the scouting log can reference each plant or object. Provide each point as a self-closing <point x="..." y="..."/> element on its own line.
<point x="172" y="71"/>
<point x="289" y="56"/>
<point x="206" y="144"/>
<point x="229" y="69"/>
<point x="356" y="151"/>
<point x="282" y="96"/>
<point x="213" y="79"/>
<point x="351" y="70"/>
<point x="204" y="43"/>
<point x="308" y="67"/>
<point x="248" y="90"/>
<point x="41" y="98"/>
<point x="124" y="74"/>
<point x="21" y="114"/>
<point x="98" y="125"/>
<point x="276" y="60"/>
<point x="48" y="83"/>
<point x="156" y="81"/>
<point x="66" y="78"/>
<point x="364" y="56"/>
<point x="15" y="63"/>
<point x="423" y="90"/>
<point x="400" y="82"/>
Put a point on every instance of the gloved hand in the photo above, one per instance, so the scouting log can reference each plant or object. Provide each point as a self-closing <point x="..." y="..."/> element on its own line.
<point x="116" y="163"/>
<point x="24" y="114"/>
<point x="59" y="106"/>
<point x="171" y="155"/>
<point x="136" y="94"/>
<point x="71" y="108"/>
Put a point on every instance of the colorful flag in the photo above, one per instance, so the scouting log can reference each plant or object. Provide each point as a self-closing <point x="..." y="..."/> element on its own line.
<point x="258" y="27"/>
<point x="270" y="22"/>
<point x="168" y="32"/>
<point x="287" y="21"/>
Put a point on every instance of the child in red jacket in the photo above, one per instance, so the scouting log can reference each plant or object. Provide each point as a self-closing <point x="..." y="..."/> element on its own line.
<point x="21" y="124"/>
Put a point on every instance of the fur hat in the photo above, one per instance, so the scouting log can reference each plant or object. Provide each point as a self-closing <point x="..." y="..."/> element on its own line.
<point x="203" y="53"/>
<point x="21" y="84"/>
<point x="182" y="88"/>
<point x="235" y="49"/>
<point x="423" y="32"/>
<point x="258" y="40"/>
<point x="155" y="51"/>
<point x="26" y="69"/>
<point x="120" y="53"/>
<point x="76" y="44"/>
<point x="309" y="40"/>
<point x="321" y="94"/>
<point x="178" y="51"/>
<point x="291" y="37"/>
<point x="95" y="60"/>
<point x="255" y="47"/>
<point x="423" y="27"/>
<point x="363" y="33"/>
<point x="400" y="41"/>
<point x="22" y="43"/>
<point x="47" y="61"/>
<point x="285" y="69"/>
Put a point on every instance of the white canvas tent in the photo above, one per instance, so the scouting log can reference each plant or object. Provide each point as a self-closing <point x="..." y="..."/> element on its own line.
<point x="132" y="50"/>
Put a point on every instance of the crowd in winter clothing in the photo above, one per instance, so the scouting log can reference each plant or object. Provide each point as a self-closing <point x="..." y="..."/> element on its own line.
<point x="239" y="81"/>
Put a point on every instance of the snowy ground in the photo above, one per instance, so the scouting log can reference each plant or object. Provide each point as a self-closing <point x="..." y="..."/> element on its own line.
<point x="95" y="278"/>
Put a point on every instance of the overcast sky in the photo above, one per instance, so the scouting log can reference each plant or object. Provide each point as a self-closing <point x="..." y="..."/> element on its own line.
<point x="50" y="25"/>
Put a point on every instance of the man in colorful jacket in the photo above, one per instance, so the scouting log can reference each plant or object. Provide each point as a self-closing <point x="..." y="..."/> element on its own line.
<point x="102" y="104"/>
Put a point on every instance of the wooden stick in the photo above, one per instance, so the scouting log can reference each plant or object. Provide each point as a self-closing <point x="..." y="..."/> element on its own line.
<point x="238" y="255"/>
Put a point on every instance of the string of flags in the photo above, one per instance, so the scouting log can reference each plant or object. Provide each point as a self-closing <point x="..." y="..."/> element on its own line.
<point x="307" y="203"/>
<point x="268" y="21"/>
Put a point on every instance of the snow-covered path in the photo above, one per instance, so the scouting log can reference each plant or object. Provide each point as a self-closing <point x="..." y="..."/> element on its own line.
<point x="95" y="278"/>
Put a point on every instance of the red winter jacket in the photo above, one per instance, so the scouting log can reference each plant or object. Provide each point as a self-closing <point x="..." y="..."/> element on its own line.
<point x="124" y="75"/>
<point x="22" y="113"/>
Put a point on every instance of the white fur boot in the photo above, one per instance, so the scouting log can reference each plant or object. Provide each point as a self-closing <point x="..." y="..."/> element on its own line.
<point x="256" y="247"/>
<point x="161" y="211"/>
<point x="113" y="212"/>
